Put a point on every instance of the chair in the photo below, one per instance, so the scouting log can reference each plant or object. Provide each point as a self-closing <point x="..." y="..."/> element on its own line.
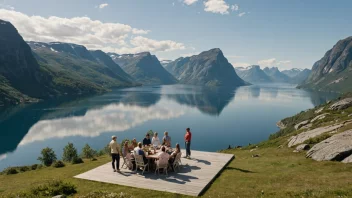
<point x="124" y="164"/>
<point x="140" y="163"/>
<point x="161" y="166"/>
<point x="177" y="162"/>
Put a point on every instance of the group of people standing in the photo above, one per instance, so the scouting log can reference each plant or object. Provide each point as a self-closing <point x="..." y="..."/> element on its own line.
<point x="163" y="156"/>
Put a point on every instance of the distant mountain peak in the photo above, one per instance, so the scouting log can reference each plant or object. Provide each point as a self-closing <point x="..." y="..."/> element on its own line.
<point x="207" y="68"/>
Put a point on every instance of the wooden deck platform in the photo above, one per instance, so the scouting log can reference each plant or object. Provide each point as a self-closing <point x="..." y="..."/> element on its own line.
<point x="194" y="175"/>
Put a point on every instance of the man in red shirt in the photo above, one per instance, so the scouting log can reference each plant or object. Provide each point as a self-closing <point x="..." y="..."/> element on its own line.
<point x="188" y="137"/>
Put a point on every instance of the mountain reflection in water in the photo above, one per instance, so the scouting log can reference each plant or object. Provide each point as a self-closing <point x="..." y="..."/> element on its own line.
<point x="133" y="111"/>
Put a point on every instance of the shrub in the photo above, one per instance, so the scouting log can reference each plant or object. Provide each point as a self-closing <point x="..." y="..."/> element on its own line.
<point x="94" y="159"/>
<point x="24" y="168"/>
<point x="48" y="156"/>
<point x="87" y="152"/>
<point x="70" y="152"/>
<point x="34" y="166"/>
<point x="58" y="164"/>
<point x="40" y="166"/>
<point x="10" y="171"/>
<point x="101" y="152"/>
<point x="77" y="160"/>
<point x="54" y="188"/>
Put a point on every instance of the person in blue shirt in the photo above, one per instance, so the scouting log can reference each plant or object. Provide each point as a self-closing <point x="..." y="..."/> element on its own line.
<point x="146" y="140"/>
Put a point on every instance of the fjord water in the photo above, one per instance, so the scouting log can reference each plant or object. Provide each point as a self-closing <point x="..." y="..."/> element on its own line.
<point x="218" y="117"/>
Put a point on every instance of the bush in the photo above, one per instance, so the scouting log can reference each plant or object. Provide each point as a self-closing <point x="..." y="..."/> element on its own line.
<point x="77" y="160"/>
<point x="94" y="159"/>
<point x="48" y="156"/>
<point x="40" y="166"/>
<point x="87" y="152"/>
<point x="101" y="152"/>
<point x="54" y="188"/>
<point x="24" y="168"/>
<point x="58" y="164"/>
<point x="34" y="166"/>
<point x="70" y="152"/>
<point x="10" y="171"/>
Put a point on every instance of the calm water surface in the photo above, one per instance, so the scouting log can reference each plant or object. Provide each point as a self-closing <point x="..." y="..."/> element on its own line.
<point x="217" y="118"/>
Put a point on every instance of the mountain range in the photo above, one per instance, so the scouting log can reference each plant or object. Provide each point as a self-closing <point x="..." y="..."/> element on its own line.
<point x="254" y="74"/>
<point x="144" y="68"/>
<point x="208" y="68"/>
<point x="30" y="71"/>
<point x="333" y="72"/>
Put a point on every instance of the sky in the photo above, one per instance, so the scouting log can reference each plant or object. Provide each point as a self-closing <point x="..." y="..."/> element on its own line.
<point x="285" y="34"/>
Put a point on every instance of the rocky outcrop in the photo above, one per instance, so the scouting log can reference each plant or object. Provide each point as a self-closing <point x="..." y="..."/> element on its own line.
<point x="302" y="147"/>
<point x="319" y="117"/>
<point x="347" y="159"/>
<point x="300" y="138"/>
<point x="319" y="110"/>
<point x="336" y="148"/>
<point x="280" y="124"/>
<point x="299" y="125"/>
<point x="342" y="104"/>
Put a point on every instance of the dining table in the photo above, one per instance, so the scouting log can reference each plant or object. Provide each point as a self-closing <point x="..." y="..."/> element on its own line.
<point x="153" y="154"/>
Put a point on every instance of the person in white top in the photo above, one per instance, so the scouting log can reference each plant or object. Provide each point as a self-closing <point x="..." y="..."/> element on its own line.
<point x="163" y="157"/>
<point x="155" y="140"/>
<point x="115" y="153"/>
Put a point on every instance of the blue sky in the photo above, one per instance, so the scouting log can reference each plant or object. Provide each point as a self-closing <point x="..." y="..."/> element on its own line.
<point x="270" y="32"/>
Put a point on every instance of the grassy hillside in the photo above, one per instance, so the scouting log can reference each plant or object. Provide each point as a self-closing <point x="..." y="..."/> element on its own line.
<point x="278" y="172"/>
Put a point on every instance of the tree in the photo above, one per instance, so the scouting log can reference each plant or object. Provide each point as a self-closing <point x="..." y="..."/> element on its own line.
<point x="70" y="153"/>
<point x="48" y="156"/>
<point x="87" y="152"/>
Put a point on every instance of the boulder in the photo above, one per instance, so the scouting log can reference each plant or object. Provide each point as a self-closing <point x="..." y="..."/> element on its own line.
<point x="300" y="138"/>
<point x="302" y="147"/>
<point x="307" y="126"/>
<point x="342" y="104"/>
<point x="59" y="196"/>
<point x="336" y="148"/>
<point x="280" y="124"/>
<point x="347" y="159"/>
<point x="319" y="117"/>
<point x="299" y="125"/>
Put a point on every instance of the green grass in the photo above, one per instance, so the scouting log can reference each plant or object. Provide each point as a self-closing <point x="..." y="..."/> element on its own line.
<point x="278" y="172"/>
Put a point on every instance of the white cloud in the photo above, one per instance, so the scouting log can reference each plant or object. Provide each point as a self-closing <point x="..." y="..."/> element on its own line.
<point x="190" y="54"/>
<point x="93" y="34"/>
<point x="273" y="62"/>
<point x="241" y="14"/>
<point x="189" y="2"/>
<point x="216" y="6"/>
<point x="235" y="7"/>
<point x="241" y="64"/>
<point x="103" y="5"/>
<point x="173" y="3"/>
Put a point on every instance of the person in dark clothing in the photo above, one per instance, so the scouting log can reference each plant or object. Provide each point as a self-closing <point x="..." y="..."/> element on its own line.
<point x="146" y="140"/>
<point x="115" y="154"/>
